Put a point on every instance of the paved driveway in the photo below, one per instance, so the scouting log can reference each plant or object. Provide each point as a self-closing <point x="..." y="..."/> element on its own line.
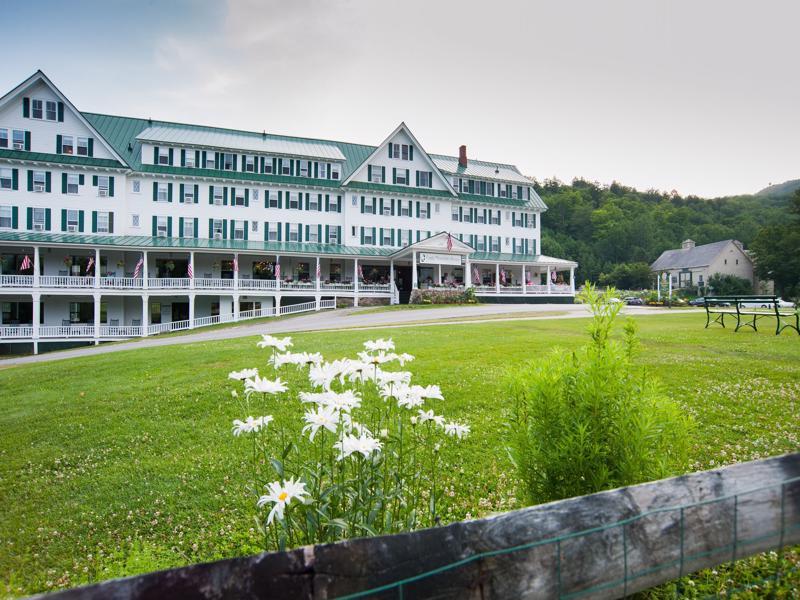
<point x="350" y="318"/>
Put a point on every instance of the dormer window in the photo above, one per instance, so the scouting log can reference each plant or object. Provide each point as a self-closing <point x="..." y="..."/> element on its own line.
<point x="335" y="171"/>
<point x="44" y="110"/>
<point x="249" y="164"/>
<point x="424" y="178"/>
<point x="189" y="163"/>
<point x="401" y="151"/>
<point x="376" y="174"/>
<point x="37" y="109"/>
<point x="286" y="167"/>
<point x="227" y="161"/>
<point x="163" y="158"/>
<point x="305" y="168"/>
<point x="83" y="146"/>
<point x="268" y="165"/>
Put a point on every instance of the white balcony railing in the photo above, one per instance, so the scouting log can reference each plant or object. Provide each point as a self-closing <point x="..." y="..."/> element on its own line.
<point x="121" y="283"/>
<point x="66" y="331"/>
<point x="256" y="313"/>
<point x="213" y="284"/>
<point x="120" y="331"/>
<point x="168" y="283"/>
<point x="65" y="281"/>
<point x="257" y="284"/>
<point x="213" y="320"/>
<point x="336" y="287"/>
<point x="373" y="288"/>
<point x="298" y="286"/>
<point x="170" y="326"/>
<point x="16" y="331"/>
<point x="16" y="280"/>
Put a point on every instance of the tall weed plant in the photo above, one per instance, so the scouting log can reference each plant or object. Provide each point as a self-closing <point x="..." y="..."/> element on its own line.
<point x="592" y="420"/>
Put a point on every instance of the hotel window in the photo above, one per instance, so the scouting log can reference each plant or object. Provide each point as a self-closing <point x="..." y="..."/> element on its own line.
<point x="38" y="217"/>
<point x="335" y="171"/>
<point x="313" y="234"/>
<point x="286" y="167"/>
<point x="294" y="232"/>
<point x="163" y="192"/>
<point x="387" y="208"/>
<point x="489" y="189"/>
<point x="401" y="176"/>
<point x="454" y="213"/>
<point x="102" y="186"/>
<point x="254" y="226"/>
<point x="369" y="206"/>
<point x="102" y="222"/>
<point x="83" y="146"/>
<point x="423" y="211"/>
<point x="254" y="193"/>
<point x="495" y="244"/>
<point x="219" y="195"/>
<point x="189" y="160"/>
<point x="163" y="157"/>
<point x="480" y="244"/>
<point x="238" y="230"/>
<point x="188" y="194"/>
<point x="3" y="138"/>
<point x="6" y="217"/>
<point x="376" y="174"/>
<point x="480" y="216"/>
<point x="305" y="168"/>
<point x="268" y="165"/>
<point x="294" y="201"/>
<point x="467" y="215"/>
<point x="238" y="199"/>
<point x="18" y="139"/>
<point x="135" y="221"/>
<point x="387" y="238"/>
<point x="532" y="221"/>
<point x="72" y="220"/>
<point x="73" y="180"/>
<point x="6" y="179"/>
<point x="37" y="109"/>
<point x="501" y="191"/>
<point x="518" y="220"/>
<point x="188" y="228"/>
<point x="405" y="208"/>
<point x="369" y="240"/>
<point x="401" y="151"/>
<point x="313" y="202"/>
<point x="216" y="228"/>
<point x="227" y="161"/>
<point x="249" y="163"/>
<point x="333" y="235"/>
<point x="50" y="110"/>
<point x="424" y="178"/>
<point x="39" y="181"/>
<point x="272" y="232"/>
<point x="209" y="160"/>
<point x="137" y="186"/>
<point x="161" y="226"/>
<point x="273" y="199"/>
<point x="494" y="218"/>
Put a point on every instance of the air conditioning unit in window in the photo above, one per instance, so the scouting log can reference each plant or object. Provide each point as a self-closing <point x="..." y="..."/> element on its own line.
<point x="102" y="193"/>
<point x="19" y="146"/>
<point x="72" y="228"/>
<point x="217" y="236"/>
<point x="38" y="227"/>
<point x="162" y="234"/>
<point x="38" y="188"/>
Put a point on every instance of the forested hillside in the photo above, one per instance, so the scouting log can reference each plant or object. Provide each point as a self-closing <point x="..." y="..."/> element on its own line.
<point x="602" y="227"/>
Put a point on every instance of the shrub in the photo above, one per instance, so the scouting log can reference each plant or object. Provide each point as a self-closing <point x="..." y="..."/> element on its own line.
<point x="729" y="285"/>
<point x="443" y="295"/>
<point x="591" y="420"/>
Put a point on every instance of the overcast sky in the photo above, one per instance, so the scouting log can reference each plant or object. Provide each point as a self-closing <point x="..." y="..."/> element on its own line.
<point x="694" y="95"/>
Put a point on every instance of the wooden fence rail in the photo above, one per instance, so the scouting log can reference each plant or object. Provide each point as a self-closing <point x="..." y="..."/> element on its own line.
<point x="604" y="545"/>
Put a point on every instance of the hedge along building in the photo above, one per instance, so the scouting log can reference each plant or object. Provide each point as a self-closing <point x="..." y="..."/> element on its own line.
<point x="114" y="227"/>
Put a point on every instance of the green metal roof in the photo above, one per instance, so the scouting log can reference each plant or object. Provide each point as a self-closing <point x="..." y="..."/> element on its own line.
<point x="237" y="175"/>
<point x="503" y="257"/>
<point x="402" y="190"/>
<point x="147" y="242"/>
<point x="493" y="200"/>
<point x="65" y="159"/>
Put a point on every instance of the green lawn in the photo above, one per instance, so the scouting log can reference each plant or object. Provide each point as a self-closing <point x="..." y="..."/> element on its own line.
<point x="124" y="462"/>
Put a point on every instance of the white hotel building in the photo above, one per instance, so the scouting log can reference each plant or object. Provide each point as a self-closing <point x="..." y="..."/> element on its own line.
<point x="115" y="227"/>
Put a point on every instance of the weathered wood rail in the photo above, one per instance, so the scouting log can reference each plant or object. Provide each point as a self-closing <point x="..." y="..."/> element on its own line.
<point x="604" y="545"/>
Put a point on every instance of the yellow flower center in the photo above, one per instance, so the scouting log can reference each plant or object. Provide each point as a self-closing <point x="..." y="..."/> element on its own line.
<point x="282" y="496"/>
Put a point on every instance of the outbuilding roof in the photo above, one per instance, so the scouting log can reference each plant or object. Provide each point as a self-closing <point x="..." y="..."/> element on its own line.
<point x="687" y="258"/>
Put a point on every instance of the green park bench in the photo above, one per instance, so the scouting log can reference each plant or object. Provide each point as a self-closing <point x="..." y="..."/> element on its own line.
<point x="748" y="310"/>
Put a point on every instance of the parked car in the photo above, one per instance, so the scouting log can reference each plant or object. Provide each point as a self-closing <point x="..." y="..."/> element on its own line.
<point x="634" y="301"/>
<point x="697" y="301"/>
<point x="781" y="304"/>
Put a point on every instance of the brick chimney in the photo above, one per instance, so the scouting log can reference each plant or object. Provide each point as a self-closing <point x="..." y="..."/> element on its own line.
<point x="462" y="156"/>
<point x="687" y="244"/>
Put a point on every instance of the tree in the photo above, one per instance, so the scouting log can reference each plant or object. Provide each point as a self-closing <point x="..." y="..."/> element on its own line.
<point x="777" y="252"/>
<point x="729" y="285"/>
<point x="628" y="276"/>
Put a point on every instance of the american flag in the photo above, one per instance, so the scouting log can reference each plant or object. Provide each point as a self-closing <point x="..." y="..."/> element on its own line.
<point x="26" y="263"/>
<point x="319" y="271"/>
<point x="476" y="276"/>
<point x="277" y="270"/>
<point x="360" y="272"/>
<point x="235" y="264"/>
<point x="553" y="276"/>
<point x="190" y="271"/>
<point x="502" y="276"/>
<point x="138" y="269"/>
<point x="449" y="243"/>
<point x="527" y="277"/>
<point x="89" y="264"/>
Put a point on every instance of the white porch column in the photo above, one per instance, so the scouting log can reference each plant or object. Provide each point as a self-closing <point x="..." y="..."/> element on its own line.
<point x="145" y="314"/>
<point x="36" y="266"/>
<point x="467" y="273"/>
<point x="191" y="279"/>
<point x="549" y="281"/>
<point x="278" y="275"/>
<point x="572" y="279"/>
<point x="236" y="307"/>
<point x="37" y="303"/>
<point x="277" y="306"/>
<point x="96" y="311"/>
<point x="497" y="278"/>
<point x="145" y="274"/>
<point x="524" y="281"/>
<point x="191" y="311"/>
<point x="236" y="274"/>
<point x="439" y="274"/>
<point x="317" y="274"/>
<point x="392" y="299"/>
<point x="355" y="282"/>
<point x="658" y="285"/>
<point x="414" y="280"/>
<point x="97" y="268"/>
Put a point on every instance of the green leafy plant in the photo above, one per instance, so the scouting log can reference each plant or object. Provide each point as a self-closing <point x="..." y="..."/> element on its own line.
<point x="592" y="420"/>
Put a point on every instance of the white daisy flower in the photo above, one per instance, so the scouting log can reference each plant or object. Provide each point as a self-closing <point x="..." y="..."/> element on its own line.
<point x="456" y="429"/>
<point x="281" y="344"/>
<point x="386" y="378"/>
<point x="427" y="415"/>
<point x="243" y="374"/>
<point x="250" y="424"/>
<point x="281" y="494"/>
<point x="363" y="444"/>
<point x="323" y="416"/>
<point x="264" y="386"/>
<point x="379" y="344"/>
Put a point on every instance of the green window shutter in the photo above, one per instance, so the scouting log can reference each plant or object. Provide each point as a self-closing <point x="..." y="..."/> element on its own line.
<point x="111" y="187"/>
<point x="319" y="233"/>
<point x="262" y="161"/>
<point x="80" y="221"/>
<point x="417" y="178"/>
<point x="94" y="180"/>
<point x="169" y="192"/>
<point x="339" y="234"/>
<point x="408" y="173"/>
<point x="279" y="228"/>
<point x="383" y="174"/>
<point x="180" y="193"/>
<point x="362" y="235"/>
<point x="30" y="180"/>
<point x="111" y="222"/>
<point x="316" y="170"/>
<point x="211" y="229"/>
<point x="369" y="172"/>
<point x="246" y="227"/>
<point x="280" y="200"/>
<point x="26" y="108"/>
<point x="287" y="232"/>
<point x="380" y="210"/>
<point x="28" y="141"/>
<point x="461" y="213"/>
<point x="211" y="194"/>
<point x="155" y="155"/>
<point x="155" y="191"/>
<point x="169" y="226"/>
<point x="195" y="227"/>
<point x="14" y="217"/>
<point x="91" y="147"/>
<point x="183" y="157"/>
<point x="225" y="196"/>
<point x="48" y="182"/>
<point x="235" y="161"/>
<point x="47" y="219"/>
<point x="217" y="161"/>
<point x="155" y="226"/>
<point x="373" y="236"/>
<point x="362" y="205"/>
<point x="204" y="156"/>
<point x="197" y="163"/>
<point x="339" y="205"/>
<point x="307" y="231"/>
<point x="393" y="211"/>
<point x="180" y="227"/>
<point x="394" y="172"/>
<point x="29" y="217"/>
<point x="247" y="198"/>
<point x="390" y="150"/>
<point x="233" y="201"/>
<point x="430" y="179"/>
<point x="94" y="221"/>
<point x="429" y="210"/>
<point x="301" y="204"/>
<point x="80" y="179"/>
<point x="58" y="144"/>
<point x="196" y="193"/>
<point x="14" y="179"/>
<point x="277" y="166"/>
<point x="224" y="229"/>
<point x="410" y="152"/>
<point x="380" y="239"/>
<point x="63" y="219"/>
<point x="418" y="209"/>
<point x="327" y="233"/>
<point x="61" y="112"/>
<point x="292" y="166"/>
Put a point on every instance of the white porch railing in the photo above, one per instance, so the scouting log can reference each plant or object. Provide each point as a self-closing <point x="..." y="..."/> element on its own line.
<point x="256" y="313"/>
<point x="168" y="283"/>
<point x="213" y="320"/>
<point x="170" y="326"/>
<point x="16" y="331"/>
<point x="294" y="286"/>
<point x="373" y="288"/>
<point x="65" y="281"/>
<point x="120" y="331"/>
<point x="16" y="280"/>
<point x="66" y="331"/>
<point x="120" y="283"/>
<point x="257" y="284"/>
<point x="213" y="284"/>
<point x="336" y="287"/>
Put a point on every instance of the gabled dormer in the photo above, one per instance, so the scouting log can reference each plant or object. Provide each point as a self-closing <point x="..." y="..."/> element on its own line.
<point x="36" y="117"/>
<point x="400" y="161"/>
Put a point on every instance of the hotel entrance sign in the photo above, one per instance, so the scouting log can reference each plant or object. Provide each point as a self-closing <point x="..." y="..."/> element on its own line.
<point x="432" y="258"/>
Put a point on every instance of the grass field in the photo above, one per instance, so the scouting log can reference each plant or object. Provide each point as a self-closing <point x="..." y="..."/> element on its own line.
<point x="123" y="463"/>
